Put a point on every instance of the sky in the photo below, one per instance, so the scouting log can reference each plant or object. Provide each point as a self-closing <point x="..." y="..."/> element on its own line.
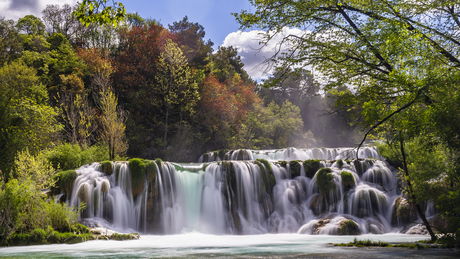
<point x="214" y="15"/>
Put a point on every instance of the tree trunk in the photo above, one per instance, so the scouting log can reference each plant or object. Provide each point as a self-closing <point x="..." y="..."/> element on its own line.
<point x="412" y="198"/>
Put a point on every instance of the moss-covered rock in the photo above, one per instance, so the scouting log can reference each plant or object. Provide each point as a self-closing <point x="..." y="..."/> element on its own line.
<point x="106" y="167"/>
<point x="283" y="163"/>
<point x="159" y="162"/>
<point x="348" y="227"/>
<point x="403" y="213"/>
<point x="324" y="180"/>
<point x="340" y="163"/>
<point x="318" y="205"/>
<point x="64" y="182"/>
<point x="120" y="237"/>
<point x="83" y="192"/>
<point x="105" y="186"/>
<point x="348" y="181"/>
<point x="150" y="170"/>
<point x="137" y="173"/>
<point x="311" y="167"/>
<point x="295" y="168"/>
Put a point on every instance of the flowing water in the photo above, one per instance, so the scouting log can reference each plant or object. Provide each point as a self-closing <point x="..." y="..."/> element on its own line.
<point x="246" y="202"/>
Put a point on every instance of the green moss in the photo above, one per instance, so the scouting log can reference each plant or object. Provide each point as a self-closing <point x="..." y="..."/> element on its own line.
<point x="283" y="163"/>
<point x="311" y="167"/>
<point x="324" y="179"/>
<point x="348" y="161"/>
<point x="348" y="227"/>
<point x="77" y="233"/>
<point x="159" y="162"/>
<point x="295" y="168"/>
<point x="131" y="236"/>
<point x="150" y="170"/>
<point x="106" y="167"/>
<point x="137" y="172"/>
<point x="205" y="157"/>
<point x="267" y="165"/>
<point x="340" y="163"/>
<point x="64" y="182"/>
<point x="348" y="181"/>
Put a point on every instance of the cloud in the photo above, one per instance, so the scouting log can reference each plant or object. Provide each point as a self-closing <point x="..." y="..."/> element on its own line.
<point x="254" y="54"/>
<point x="15" y="9"/>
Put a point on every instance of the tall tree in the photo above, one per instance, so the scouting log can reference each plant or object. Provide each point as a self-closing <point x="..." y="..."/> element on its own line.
<point x="177" y="93"/>
<point x="190" y="37"/>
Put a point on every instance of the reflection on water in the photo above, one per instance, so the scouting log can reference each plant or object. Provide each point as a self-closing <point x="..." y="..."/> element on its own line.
<point x="198" y="245"/>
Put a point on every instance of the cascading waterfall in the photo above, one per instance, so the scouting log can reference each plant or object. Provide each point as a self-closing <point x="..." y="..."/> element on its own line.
<point x="311" y="191"/>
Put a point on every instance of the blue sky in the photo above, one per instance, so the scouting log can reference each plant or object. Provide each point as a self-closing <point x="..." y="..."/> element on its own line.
<point x="215" y="16"/>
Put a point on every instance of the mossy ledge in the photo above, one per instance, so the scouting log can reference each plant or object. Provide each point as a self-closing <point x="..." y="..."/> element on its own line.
<point x="348" y="181"/>
<point x="324" y="180"/>
<point x="137" y="172"/>
<point x="311" y="167"/>
<point x="295" y="168"/>
<point x="106" y="167"/>
<point x="64" y="182"/>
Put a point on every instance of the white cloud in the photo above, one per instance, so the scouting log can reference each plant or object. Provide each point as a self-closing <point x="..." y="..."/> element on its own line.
<point x="15" y="9"/>
<point x="253" y="54"/>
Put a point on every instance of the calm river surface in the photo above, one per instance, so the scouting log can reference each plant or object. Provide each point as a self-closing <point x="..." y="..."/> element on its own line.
<point x="198" y="245"/>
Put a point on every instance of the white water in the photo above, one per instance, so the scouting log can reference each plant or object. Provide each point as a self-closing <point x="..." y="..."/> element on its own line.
<point x="236" y="198"/>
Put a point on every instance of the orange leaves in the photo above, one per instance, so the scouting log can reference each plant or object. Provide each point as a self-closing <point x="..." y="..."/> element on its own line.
<point x="226" y="103"/>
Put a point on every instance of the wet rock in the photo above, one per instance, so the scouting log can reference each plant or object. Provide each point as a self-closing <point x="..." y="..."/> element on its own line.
<point x="403" y="213"/>
<point x="348" y="227"/>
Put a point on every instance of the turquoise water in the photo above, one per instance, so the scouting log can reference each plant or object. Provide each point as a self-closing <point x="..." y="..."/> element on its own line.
<point x="198" y="245"/>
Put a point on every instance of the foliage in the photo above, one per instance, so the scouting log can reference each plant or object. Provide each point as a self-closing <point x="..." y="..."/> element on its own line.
<point x="68" y="156"/>
<point x="97" y="11"/>
<point x="178" y="94"/>
<point x="30" y="25"/>
<point x="26" y="120"/>
<point x="28" y="168"/>
<point x="64" y="181"/>
<point x="10" y="41"/>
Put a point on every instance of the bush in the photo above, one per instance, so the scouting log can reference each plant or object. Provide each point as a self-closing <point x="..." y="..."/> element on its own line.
<point x="64" y="182"/>
<point x="68" y="156"/>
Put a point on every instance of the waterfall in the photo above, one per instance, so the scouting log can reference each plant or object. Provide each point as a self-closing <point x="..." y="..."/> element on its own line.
<point x="311" y="191"/>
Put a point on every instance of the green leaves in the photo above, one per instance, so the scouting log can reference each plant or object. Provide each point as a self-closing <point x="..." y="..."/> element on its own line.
<point x="98" y="12"/>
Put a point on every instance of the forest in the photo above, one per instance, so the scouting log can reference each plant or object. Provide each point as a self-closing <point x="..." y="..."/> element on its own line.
<point x="73" y="93"/>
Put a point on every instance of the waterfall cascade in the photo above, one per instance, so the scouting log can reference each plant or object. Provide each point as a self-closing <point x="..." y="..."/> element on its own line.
<point x="311" y="191"/>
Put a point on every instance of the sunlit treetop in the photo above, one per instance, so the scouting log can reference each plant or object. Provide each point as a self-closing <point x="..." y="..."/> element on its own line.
<point x="100" y="12"/>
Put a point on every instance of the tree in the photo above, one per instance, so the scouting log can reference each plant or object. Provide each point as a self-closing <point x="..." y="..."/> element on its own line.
<point x="10" y="41"/>
<point x="394" y="54"/>
<point x="190" y="37"/>
<point x="112" y="116"/>
<point x="97" y="11"/>
<point x="225" y="63"/>
<point x="30" y="25"/>
<point x="26" y="119"/>
<point x="177" y="93"/>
